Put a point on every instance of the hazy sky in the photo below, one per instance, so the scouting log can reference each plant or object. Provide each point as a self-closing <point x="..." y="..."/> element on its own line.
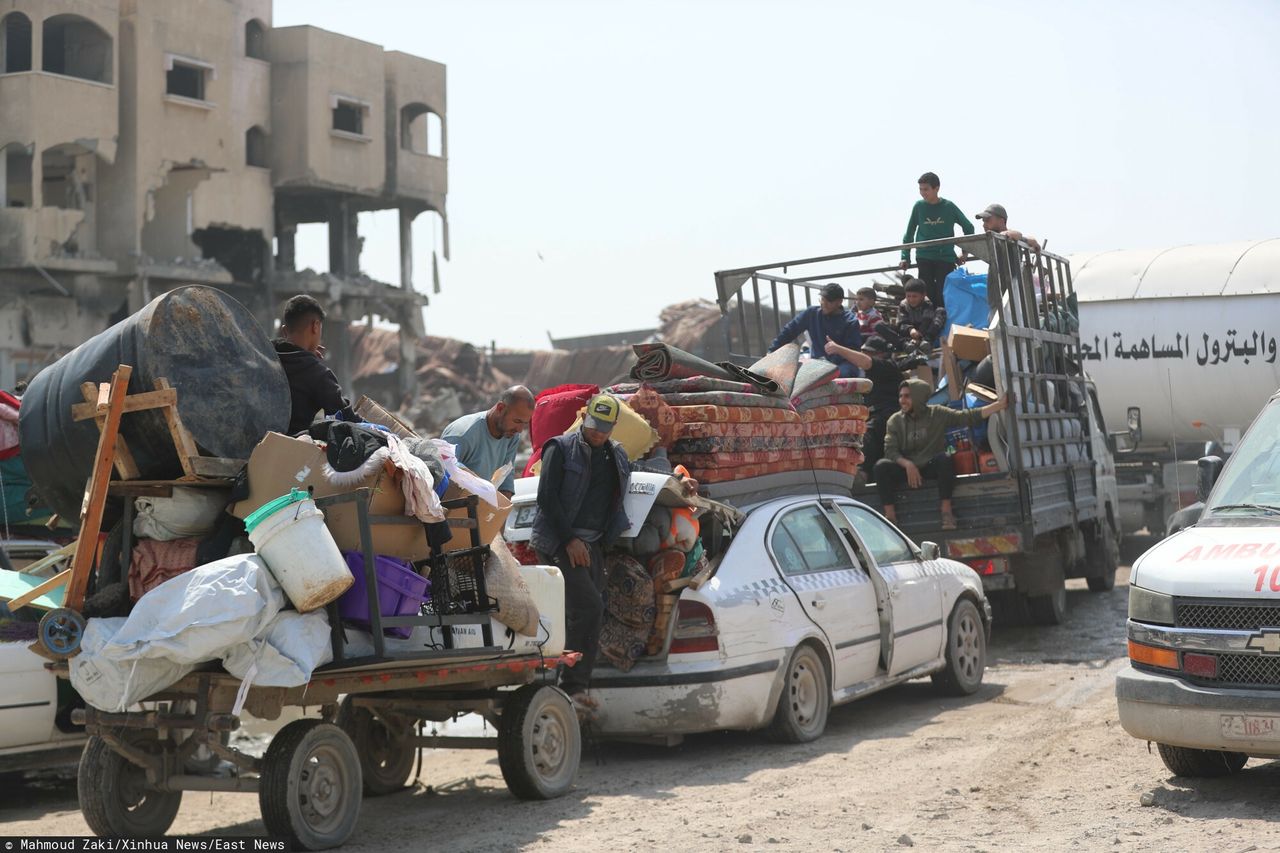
<point x="639" y="146"/>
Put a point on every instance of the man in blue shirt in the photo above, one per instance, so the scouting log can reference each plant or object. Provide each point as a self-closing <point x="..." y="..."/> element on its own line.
<point x="488" y="440"/>
<point x="829" y="320"/>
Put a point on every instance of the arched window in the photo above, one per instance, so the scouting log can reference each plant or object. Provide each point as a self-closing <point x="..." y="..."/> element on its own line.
<point x="255" y="147"/>
<point x="255" y="39"/>
<point x="77" y="47"/>
<point x="421" y="130"/>
<point x="15" y="43"/>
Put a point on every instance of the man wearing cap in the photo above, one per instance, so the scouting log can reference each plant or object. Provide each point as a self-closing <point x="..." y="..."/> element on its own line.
<point x="995" y="218"/>
<point x="885" y="378"/>
<point x="584" y="478"/>
<point x="829" y="320"/>
<point x="486" y="441"/>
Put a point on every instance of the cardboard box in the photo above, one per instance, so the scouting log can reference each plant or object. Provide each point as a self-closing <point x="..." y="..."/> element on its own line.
<point x="969" y="344"/>
<point x="280" y="463"/>
<point x="491" y="520"/>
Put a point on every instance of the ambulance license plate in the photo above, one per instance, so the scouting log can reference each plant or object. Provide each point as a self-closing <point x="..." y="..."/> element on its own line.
<point x="1249" y="727"/>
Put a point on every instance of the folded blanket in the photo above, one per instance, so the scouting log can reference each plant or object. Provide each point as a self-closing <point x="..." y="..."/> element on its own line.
<point x="736" y="459"/>
<point x="843" y="411"/>
<point x="855" y="385"/>
<point x="692" y="383"/>
<point x="846" y="426"/>
<point x="718" y="443"/>
<point x="649" y="405"/>
<point x="813" y="373"/>
<point x="733" y="414"/>
<point x="827" y="400"/>
<point x="781" y="366"/>
<point x="726" y="398"/>
<point x="725" y="475"/>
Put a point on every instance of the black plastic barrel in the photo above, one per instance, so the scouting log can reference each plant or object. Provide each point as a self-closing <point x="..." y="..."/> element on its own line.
<point x="231" y="392"/>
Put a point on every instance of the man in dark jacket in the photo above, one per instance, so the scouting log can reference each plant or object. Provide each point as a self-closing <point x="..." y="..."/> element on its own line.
<point x="882" y="400"/>
<point x="915" y="444"/>
<point x="828" y="320"/>
<point x="312" y="385"/>
<point x="584" y="478"/>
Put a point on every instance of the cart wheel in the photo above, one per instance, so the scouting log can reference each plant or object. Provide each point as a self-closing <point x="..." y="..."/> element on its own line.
<point x="116" y="800"/>
<point x="309" y="789"/>
<point x="387" y="752"/>
<point x="539" y="743"/>
<point x="61" y="631"/>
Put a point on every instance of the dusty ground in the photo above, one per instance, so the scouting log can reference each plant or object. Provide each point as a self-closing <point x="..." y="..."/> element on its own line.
<point x="1035" y="761"/>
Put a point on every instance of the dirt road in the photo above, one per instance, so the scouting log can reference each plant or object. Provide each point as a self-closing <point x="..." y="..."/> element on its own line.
<point x="1035" y="761"/>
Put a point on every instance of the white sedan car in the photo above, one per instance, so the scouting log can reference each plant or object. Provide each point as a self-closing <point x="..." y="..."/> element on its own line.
<point x="816" y="601"/>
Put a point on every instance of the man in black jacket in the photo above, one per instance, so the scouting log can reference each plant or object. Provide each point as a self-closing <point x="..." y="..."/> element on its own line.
<point x="312" y="385"/>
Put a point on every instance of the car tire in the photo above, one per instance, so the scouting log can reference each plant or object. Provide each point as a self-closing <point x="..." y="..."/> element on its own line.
<point x="966" y="653"/>
<point x="1185" y="761"/>
<point x="1103" y="556"/>
<point x="539" y="742"/>
<point x="309" y="789"/>
<point x="1048" y="609"/>
<point x="386" y="743"/>
<point x="805" y="701"/>
<point x="116" y="800"/>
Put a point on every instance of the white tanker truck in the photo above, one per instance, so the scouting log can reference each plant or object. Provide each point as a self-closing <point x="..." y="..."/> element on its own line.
<point x="1184" y="345"/>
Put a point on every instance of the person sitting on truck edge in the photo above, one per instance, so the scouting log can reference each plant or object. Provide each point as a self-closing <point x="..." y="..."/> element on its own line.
<point x="828" y="319"/>
<point x="488" y="440"/>
<point x="585" y="476"/>
<point x="914" y="445"/>
<point x="312" y="385"/>
<point x="933" y="218"/>
<point x="882" y="400"/>
<point x="995" y="218"/>
<point x="867" y="313"/>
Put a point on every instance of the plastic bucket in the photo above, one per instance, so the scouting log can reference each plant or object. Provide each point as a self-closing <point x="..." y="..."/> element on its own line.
<point x="290" y="536"/>
<point x="401" y="592"/>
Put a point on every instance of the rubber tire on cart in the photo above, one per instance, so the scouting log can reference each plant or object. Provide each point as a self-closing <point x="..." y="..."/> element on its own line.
<point x="309" y="790"/>
<point x="386" y="756"/>
<point x="115" y="799"/>
<point x="61" y="631"/>
<point x="1184" y="761"/>
<point x="539" y="742"/>
<point x="966" y="654"/>
<point x="805" y="702"/>
<point x="1106" y="556"/>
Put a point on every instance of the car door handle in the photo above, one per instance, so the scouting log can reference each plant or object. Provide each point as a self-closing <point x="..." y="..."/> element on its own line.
<point x="819" y="602"/>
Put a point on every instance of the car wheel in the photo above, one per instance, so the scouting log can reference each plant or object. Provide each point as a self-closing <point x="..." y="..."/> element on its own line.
<point x="1048" y="609"/>
<point x="966" y="654"/>
<point x="1184" y="761"/>
<point x="801" y="715"/>
<point x="115" y="798"/>
<point x="387" y="745"/>
<point x="1104" y="556"/>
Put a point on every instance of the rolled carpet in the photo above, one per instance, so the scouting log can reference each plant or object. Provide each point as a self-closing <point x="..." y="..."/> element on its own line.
<point x="658" y="361"/>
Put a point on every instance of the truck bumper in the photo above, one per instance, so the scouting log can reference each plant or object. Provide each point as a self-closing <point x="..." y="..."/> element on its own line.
<point x="1167" y="710"/>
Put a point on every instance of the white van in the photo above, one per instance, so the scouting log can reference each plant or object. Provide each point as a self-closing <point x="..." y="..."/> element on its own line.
<point x="1203" y="680"/>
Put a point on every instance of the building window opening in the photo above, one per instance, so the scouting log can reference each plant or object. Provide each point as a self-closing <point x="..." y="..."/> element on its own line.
<point x="255" y="39"/>
<point x="63" y="183"/>
<point x="15" y="42"/>
<point x="348" y="117"/>
<point x="16" y="188"/>
<point x="76" y="47"/>
<point x="255" y="147"/>
<point x="185" y="80"/>
<point x="421" y="130"/>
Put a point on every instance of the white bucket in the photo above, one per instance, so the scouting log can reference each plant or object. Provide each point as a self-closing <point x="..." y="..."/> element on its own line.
<point x="302" y="556"/>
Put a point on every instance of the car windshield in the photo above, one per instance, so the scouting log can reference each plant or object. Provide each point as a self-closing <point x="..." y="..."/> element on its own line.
<point x="1250" y="483"/>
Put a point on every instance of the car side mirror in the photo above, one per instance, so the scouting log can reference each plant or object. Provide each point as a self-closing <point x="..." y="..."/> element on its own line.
<point x="929" y="550"/>
<point x="1207" y="470"/>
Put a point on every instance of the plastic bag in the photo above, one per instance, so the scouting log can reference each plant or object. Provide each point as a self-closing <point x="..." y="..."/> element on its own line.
<point x="109" y="684"/>
<point x="503" y="582"/>
<point x="190" y="512"/>
<point x="965" y="295"/>
<point x="286" y="653"/>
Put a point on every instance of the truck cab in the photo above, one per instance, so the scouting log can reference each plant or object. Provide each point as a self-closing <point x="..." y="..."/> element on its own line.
<point x="1203" y="680"/>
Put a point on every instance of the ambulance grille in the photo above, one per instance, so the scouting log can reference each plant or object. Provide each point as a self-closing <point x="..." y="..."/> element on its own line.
<point x="1255" y="671"/>
<point x="1227" y="617"/>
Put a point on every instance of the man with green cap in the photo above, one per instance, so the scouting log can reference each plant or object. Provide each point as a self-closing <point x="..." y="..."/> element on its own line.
<point x="584" y="478"/>
<point x="915" y="443"/>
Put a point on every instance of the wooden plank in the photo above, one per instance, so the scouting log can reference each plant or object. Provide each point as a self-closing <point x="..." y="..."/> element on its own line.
<point x="216" y="466"/>
<point x="35" y="592"/>
<point x="125" y="464"/>
<point x="675" y="585"/>
<point x="49" y="559"/>
<point x="96" y="491"/>
<point x="703" y="576"/>
<point x="182" y="439"/>
<point x="952" y="371"/>
<point x="133" y="403"/>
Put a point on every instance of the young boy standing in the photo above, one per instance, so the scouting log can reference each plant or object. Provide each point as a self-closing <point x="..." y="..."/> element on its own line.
<point x="933" y="218"/>
<point x="867" y="313"/>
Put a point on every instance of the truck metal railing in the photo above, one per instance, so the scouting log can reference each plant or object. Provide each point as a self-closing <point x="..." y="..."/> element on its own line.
<point x="1034" y="323"/>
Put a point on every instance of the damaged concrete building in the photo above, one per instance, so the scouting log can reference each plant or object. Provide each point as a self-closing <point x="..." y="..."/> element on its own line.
<point x="146" y="144"/>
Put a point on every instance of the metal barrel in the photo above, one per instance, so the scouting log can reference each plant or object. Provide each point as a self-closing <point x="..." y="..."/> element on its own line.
<point x="231" y="392"/>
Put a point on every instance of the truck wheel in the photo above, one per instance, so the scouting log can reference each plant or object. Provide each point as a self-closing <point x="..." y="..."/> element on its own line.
<point x="1103" y="557"/>
<point x="116" y="800"/>
<point x="385" y="744"/>
<point x="1184" y="761"/>
<point x="539" y="742"/>
<point x="966" y="651"/>
<point x="309" y="790"/>
<point x="1048" y="609"/>
<point x="805" y="702"/>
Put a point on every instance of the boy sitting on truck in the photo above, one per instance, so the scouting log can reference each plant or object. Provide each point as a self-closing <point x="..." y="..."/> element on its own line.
<point x="914" y="445"/>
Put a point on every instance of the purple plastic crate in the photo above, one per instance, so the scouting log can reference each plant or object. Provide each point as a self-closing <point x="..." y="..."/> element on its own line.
<point x="401" y="591"/>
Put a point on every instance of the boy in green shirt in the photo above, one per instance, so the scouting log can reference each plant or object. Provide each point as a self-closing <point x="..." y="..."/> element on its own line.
<point x="933" y="218"/>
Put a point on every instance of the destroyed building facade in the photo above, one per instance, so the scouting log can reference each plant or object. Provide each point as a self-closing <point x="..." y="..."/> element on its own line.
<point x="146" y="144"/>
